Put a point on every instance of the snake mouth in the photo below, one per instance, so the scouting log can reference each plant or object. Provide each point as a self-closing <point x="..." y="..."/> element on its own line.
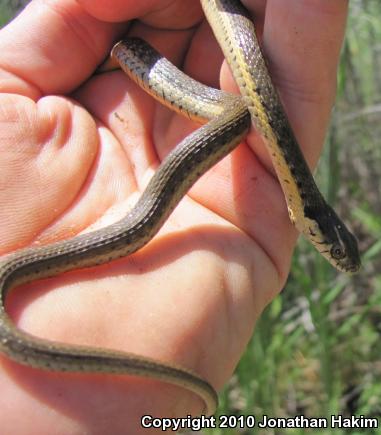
<point x="353" y="268"/>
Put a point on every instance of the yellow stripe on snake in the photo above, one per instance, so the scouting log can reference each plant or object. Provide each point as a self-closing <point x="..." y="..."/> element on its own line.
<point x="229" y="118"/>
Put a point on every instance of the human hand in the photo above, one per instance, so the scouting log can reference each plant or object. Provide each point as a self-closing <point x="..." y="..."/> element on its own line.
<point x="192" y="296"/>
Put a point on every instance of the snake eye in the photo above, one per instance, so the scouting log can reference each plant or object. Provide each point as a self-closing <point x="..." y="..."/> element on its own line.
<point x="337" y="252"/>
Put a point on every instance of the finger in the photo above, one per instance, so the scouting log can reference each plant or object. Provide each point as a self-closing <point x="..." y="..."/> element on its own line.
<point x="301" y="42"/>
<point x="62" y="46"/>
<point x="162" y="14"/>
<point x="65" y="43"/>
<point x="313" y="87"/>
<point x="257" y="9"/>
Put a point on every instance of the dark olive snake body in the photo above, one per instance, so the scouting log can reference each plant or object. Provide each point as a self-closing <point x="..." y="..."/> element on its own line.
<point x="229" y="120"/>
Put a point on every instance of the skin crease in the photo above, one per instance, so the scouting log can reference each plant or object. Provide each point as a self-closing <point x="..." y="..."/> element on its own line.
<point x="76" y="154"/>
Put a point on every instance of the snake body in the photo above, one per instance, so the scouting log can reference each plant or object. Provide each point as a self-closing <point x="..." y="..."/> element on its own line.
<point x="229" y="121"/>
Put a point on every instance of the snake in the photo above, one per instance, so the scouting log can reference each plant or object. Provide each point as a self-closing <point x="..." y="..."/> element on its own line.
<point x="226" y="120"/>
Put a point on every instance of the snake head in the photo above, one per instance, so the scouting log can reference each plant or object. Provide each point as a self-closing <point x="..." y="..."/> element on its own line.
<point x="332" y="238"/>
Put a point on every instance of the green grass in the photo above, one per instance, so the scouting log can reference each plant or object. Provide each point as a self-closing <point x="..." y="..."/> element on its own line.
<point x="8" y="8"/>
<point x="5" y="15"/>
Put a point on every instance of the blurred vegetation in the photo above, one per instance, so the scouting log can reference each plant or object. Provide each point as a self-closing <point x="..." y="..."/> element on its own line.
<point x="317" y="349"/>
<point x="9" y="8"/>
